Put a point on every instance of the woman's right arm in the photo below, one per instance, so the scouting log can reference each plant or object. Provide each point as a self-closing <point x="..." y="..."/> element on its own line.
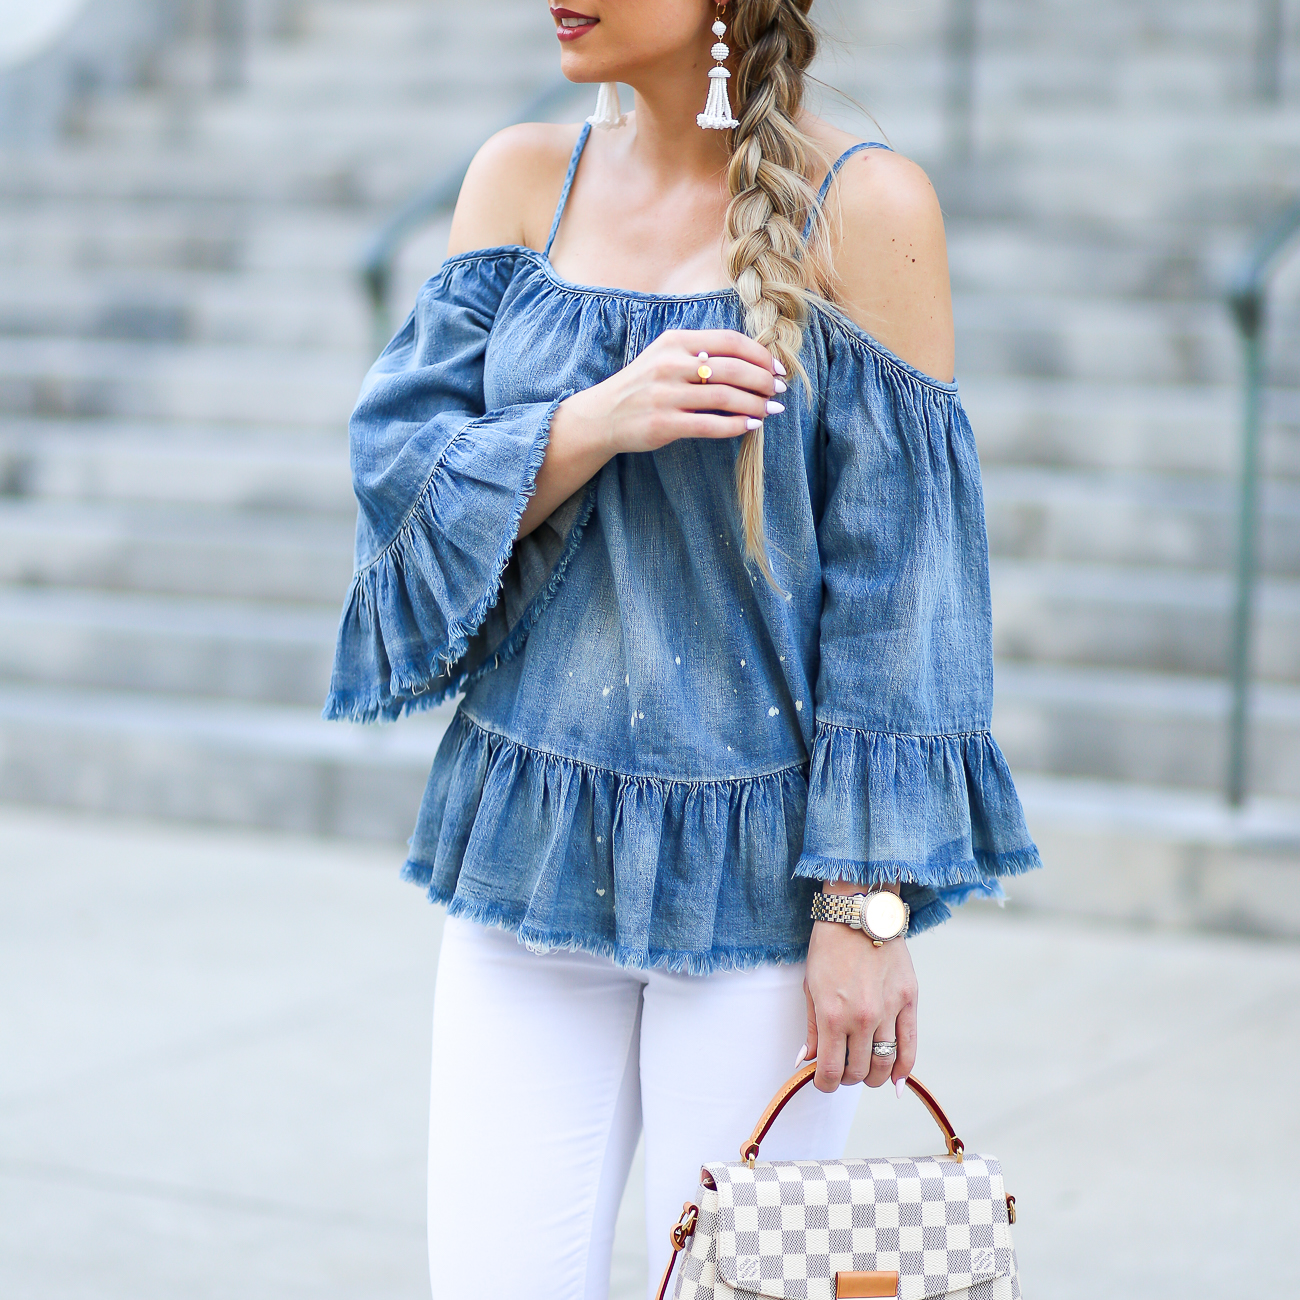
<point x="507" y="198"/>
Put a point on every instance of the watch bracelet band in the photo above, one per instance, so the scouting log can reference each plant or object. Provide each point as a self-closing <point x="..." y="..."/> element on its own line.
<point x="842" y="908"/>
<point x="850" y="910"/>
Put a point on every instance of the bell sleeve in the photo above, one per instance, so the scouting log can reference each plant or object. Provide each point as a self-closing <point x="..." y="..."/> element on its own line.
<point x="442" y="588"/>
<point x="906" y="783"/>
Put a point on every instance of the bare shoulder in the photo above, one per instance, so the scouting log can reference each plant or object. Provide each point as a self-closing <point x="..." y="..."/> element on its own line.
<point x="890" y="257"/>
<point x="510" y="190"/>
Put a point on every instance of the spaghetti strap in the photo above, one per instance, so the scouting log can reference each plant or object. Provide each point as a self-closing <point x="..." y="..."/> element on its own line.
<point x="568" y="185"/>
<point x="832" y="174"/>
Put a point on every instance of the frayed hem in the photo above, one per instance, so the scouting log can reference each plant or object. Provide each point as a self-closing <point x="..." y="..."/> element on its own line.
<point x="426" y="691"/>
<point x="927" y="917"/>
<point x="974" y="871"/>
<point x="502" y="916"/>
<point x="339" y="707"/>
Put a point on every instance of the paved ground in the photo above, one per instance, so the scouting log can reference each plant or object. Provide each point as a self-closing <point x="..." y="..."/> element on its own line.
<point x="213" y="1056"/>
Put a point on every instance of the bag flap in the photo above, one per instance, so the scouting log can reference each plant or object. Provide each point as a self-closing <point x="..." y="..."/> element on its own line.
<point x="785" y="1228"/>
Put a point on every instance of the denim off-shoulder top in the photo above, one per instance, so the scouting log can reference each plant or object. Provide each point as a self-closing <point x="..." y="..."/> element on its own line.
<point x="658" y="755"/>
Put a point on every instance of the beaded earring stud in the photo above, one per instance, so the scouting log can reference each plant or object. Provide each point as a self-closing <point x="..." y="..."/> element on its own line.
<point x="717" y="108"/>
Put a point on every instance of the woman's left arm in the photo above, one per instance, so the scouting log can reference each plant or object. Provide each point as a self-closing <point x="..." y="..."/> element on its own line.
<point x="891" y="262"/>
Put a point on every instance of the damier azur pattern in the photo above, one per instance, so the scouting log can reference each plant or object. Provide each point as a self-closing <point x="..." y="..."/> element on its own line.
<point x="784" y="1229"/>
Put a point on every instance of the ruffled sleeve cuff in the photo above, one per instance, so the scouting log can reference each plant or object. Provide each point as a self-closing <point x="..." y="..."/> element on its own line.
<point x="937" y="813"/>
<point x="453" y="592"/>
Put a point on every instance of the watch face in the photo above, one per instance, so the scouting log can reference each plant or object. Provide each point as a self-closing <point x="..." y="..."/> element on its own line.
<point x="885" y="915"/>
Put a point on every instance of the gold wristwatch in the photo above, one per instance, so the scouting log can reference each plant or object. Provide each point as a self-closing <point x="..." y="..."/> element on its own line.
<point x="880" y="915"/>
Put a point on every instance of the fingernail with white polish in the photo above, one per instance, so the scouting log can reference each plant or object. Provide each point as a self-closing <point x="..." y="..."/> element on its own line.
<point x="803" y="1054"/>
<point x="777" y="366"/>
<point x="780" y="385"/>
<point x="774" y="408"/>
<point x="900" y="1086"/>
<point x="751" y="423"/>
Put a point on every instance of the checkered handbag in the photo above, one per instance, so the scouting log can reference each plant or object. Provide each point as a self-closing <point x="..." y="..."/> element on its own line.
<point x="914" y="1228"/>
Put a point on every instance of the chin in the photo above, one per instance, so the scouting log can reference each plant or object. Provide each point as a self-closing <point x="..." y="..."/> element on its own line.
<point x="583" y="69"/>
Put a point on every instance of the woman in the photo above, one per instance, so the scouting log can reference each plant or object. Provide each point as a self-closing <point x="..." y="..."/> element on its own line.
<point x="667" y="471"/>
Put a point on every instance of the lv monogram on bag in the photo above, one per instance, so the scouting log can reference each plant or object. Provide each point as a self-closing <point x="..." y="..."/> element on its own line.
<point x="915" y="1228"/>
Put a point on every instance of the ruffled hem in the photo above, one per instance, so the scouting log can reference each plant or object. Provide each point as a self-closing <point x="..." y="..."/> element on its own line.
<point x="543" y="845"/>
<point x="411" y="612"/>
<point x="938" y="814"/>
<point x="504" y="917"/>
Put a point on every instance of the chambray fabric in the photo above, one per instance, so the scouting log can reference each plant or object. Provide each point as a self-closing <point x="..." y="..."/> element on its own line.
<point x="657" y="755"/>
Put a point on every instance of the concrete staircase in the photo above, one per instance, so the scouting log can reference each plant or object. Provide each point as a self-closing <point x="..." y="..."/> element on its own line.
<point x="181" y="338"/>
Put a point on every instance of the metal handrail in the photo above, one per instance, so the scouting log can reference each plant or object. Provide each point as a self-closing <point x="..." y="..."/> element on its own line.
<point x="1270" y="49"/>
<point x="960" y="49"/>
<point x="381" y="249"/>
<point x="1248" y="299"/>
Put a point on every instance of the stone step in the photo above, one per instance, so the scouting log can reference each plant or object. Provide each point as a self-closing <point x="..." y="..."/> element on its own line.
<point x="1163" y="620"/>
<point x="1038" y="336"/>
<point x="1147" y="855"/>
<point x="1105" y="339"/>
<point x="150" y="755"/>
<point x="121" y="543"/>
<point x="291" y="362"/>
<point x="1051" y="614"/>
<point x="1060" y="336"/>
<point x="89" y="378"/>
<point x="156" y="237"/>
<point x="1139" y="519"/>
<point x="359" y="172"/>
<point x="214" y="761"/>
<point x="236" y="467"/>
<point x="1161" y="428"/>
<point x="170" y="645"/>
<point x="1147" y="728"/>
<point x="1082" y="163"/>
<point x="132" y="235"/>
<point x="181" y="551"/>
<point x="254" y="308"/>
<point x="1171" y="261"/>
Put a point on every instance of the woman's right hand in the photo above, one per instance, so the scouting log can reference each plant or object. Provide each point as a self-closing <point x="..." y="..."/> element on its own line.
<point x="659" y="398"/>
<point x="653" y="401"/>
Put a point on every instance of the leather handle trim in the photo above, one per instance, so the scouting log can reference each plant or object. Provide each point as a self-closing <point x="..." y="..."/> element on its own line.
<point x="803" y="1076"/>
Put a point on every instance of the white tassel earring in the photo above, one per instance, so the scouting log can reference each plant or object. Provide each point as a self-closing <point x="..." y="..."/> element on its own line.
<point x="717" y="108"/>
<point x="609" y="112"/>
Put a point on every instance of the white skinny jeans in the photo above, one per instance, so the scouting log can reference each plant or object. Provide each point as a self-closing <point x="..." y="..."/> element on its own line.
<point x="546" y="1067"/>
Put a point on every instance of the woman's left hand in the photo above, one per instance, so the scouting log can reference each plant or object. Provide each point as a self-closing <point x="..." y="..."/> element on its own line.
<point x="858" y="994"/>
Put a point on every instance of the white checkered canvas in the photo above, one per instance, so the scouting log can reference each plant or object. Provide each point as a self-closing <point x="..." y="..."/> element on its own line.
<point x="784" y="1229"/>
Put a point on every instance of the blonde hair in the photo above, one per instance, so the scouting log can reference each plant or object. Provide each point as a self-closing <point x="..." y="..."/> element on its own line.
<point x="774" y="271"/>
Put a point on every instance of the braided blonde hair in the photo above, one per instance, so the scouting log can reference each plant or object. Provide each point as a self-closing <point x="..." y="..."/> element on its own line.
<point x="774" y="272"/>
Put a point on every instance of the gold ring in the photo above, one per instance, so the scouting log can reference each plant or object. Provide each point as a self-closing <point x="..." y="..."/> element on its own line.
<point x="705" y="372"/>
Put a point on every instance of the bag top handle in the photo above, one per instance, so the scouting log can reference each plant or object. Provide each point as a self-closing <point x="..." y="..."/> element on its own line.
<point x="803" y="1076"/>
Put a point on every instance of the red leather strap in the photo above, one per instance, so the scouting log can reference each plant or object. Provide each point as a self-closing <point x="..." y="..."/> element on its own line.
<point x="662" y="1293"/>
<point x="681" y="1233"/>
<point x="803" y="1076"/>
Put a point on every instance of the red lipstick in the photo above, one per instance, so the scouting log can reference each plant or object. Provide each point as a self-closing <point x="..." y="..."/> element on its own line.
<point x="569" y="24"/>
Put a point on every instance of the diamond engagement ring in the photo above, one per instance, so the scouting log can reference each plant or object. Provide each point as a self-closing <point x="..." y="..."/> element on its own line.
<point x="884" y="1049"/>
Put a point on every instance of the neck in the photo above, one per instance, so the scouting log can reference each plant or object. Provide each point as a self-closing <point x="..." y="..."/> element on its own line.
<point x="665" y="136"/>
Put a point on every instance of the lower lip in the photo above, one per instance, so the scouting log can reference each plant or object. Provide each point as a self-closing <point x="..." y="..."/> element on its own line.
<point x="572" y="33"/>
